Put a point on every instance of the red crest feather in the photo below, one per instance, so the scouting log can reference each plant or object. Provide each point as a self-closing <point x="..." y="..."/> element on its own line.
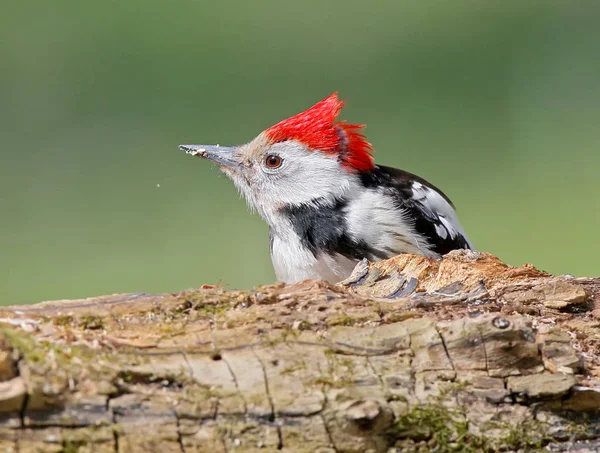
<point x="318" y="129"/>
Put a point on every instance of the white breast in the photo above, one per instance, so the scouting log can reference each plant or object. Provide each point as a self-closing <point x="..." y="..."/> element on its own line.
<point x="293" y="262"/>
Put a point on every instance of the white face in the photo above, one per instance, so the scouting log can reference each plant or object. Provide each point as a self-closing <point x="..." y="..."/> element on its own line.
<point x="272" y="176"/>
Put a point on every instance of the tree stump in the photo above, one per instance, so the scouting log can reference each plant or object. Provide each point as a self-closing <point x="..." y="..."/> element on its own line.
<point x="409" y="354"/>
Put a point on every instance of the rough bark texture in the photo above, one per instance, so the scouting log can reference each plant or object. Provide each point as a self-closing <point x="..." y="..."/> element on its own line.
<point x="410" y="354"/>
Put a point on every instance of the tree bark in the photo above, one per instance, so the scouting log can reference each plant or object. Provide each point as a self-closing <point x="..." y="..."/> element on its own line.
<point x="408" y="354"/>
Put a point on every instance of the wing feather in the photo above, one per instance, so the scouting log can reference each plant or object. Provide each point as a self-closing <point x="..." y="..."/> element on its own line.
<point x="430" y="209"/>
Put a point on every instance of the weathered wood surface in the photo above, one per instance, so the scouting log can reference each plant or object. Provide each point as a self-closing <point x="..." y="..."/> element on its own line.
<point x="411" y="354"/>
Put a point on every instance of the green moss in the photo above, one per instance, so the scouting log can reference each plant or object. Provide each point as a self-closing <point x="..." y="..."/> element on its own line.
<point x="347" y="320"/>
<point x="304" y="325"/>
<point x="394" y="397"/>
<point x="443" y="430"/>
<point x="450" y="389"/>
<point x="89" y="438"/>
<point x="198" y="304"/>
<point x="65" y="320"/>
<point x="71" y="447"/>
<point x="342" y="320"/>
<point x="25" y="345"/>
<point x="287" y="333"/>
<point x="45" y="357"/>
<point x="530" y="435"/>
<point x="172" y="329"/>
<point x="399" y="316"/>
<point x="91" y="322"/>
<point x="579" y="426"/>
<point x="342" y="382"/>
<point x="322" y="380"/>
<point x="340" y="371"/>
<point x="436" y="427"/>
<point x="293" y="368"/>
<point x="88" y="322"/>
<point x="330" y="352"/>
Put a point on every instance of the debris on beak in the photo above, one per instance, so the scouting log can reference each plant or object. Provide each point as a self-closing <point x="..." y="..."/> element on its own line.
<point x="223" y="155"/>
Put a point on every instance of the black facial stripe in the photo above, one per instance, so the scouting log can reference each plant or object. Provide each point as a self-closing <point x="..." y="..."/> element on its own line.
<point x="322" y="227"/>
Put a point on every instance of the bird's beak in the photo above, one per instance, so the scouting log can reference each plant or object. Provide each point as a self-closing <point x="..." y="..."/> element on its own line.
<point x="223" y="155"/>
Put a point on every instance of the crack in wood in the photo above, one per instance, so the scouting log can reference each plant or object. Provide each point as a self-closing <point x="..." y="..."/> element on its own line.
<point x="374" y="371"/>
<point x="217" y="407"/>
<point x="236" y="384"/>
<point x="266" y="382"/>
<point x="484" y="348"/>
<point x="412" y="372"/>
<point x="186" y="359"/>
<point x="326" y="426"/>
<point x="179" y="434"/>
<point x="25" y="403"/>
<point x="115" y="435"/>
<point x="273" y="417"/>
<point x="445" y="347"/>
<point x="115" y="425"/>
<point x="224" y="441"/>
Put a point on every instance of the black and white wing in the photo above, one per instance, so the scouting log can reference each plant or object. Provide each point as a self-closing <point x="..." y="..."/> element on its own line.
<point x="428" y="207"/>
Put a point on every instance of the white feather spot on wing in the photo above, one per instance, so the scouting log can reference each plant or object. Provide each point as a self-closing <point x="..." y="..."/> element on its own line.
<point x="440" y="208"/>
<point x="441" y="231"/>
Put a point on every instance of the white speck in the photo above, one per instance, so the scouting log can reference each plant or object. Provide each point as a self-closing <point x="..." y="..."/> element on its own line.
<point x="158" y="185"/>
<point x="441" y="231"/>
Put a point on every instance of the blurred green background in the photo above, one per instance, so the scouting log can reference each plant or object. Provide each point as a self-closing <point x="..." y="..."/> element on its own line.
<point x="498" y="103"/>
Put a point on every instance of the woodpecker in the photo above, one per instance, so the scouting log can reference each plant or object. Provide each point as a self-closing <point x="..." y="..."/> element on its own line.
<point x="313" y="180"/>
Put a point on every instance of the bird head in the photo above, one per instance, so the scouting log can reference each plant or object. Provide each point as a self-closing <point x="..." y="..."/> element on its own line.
<point x="309" y="156"/>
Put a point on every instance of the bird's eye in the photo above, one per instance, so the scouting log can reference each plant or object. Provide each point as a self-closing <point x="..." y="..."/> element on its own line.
<point x="273" y="161"/>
